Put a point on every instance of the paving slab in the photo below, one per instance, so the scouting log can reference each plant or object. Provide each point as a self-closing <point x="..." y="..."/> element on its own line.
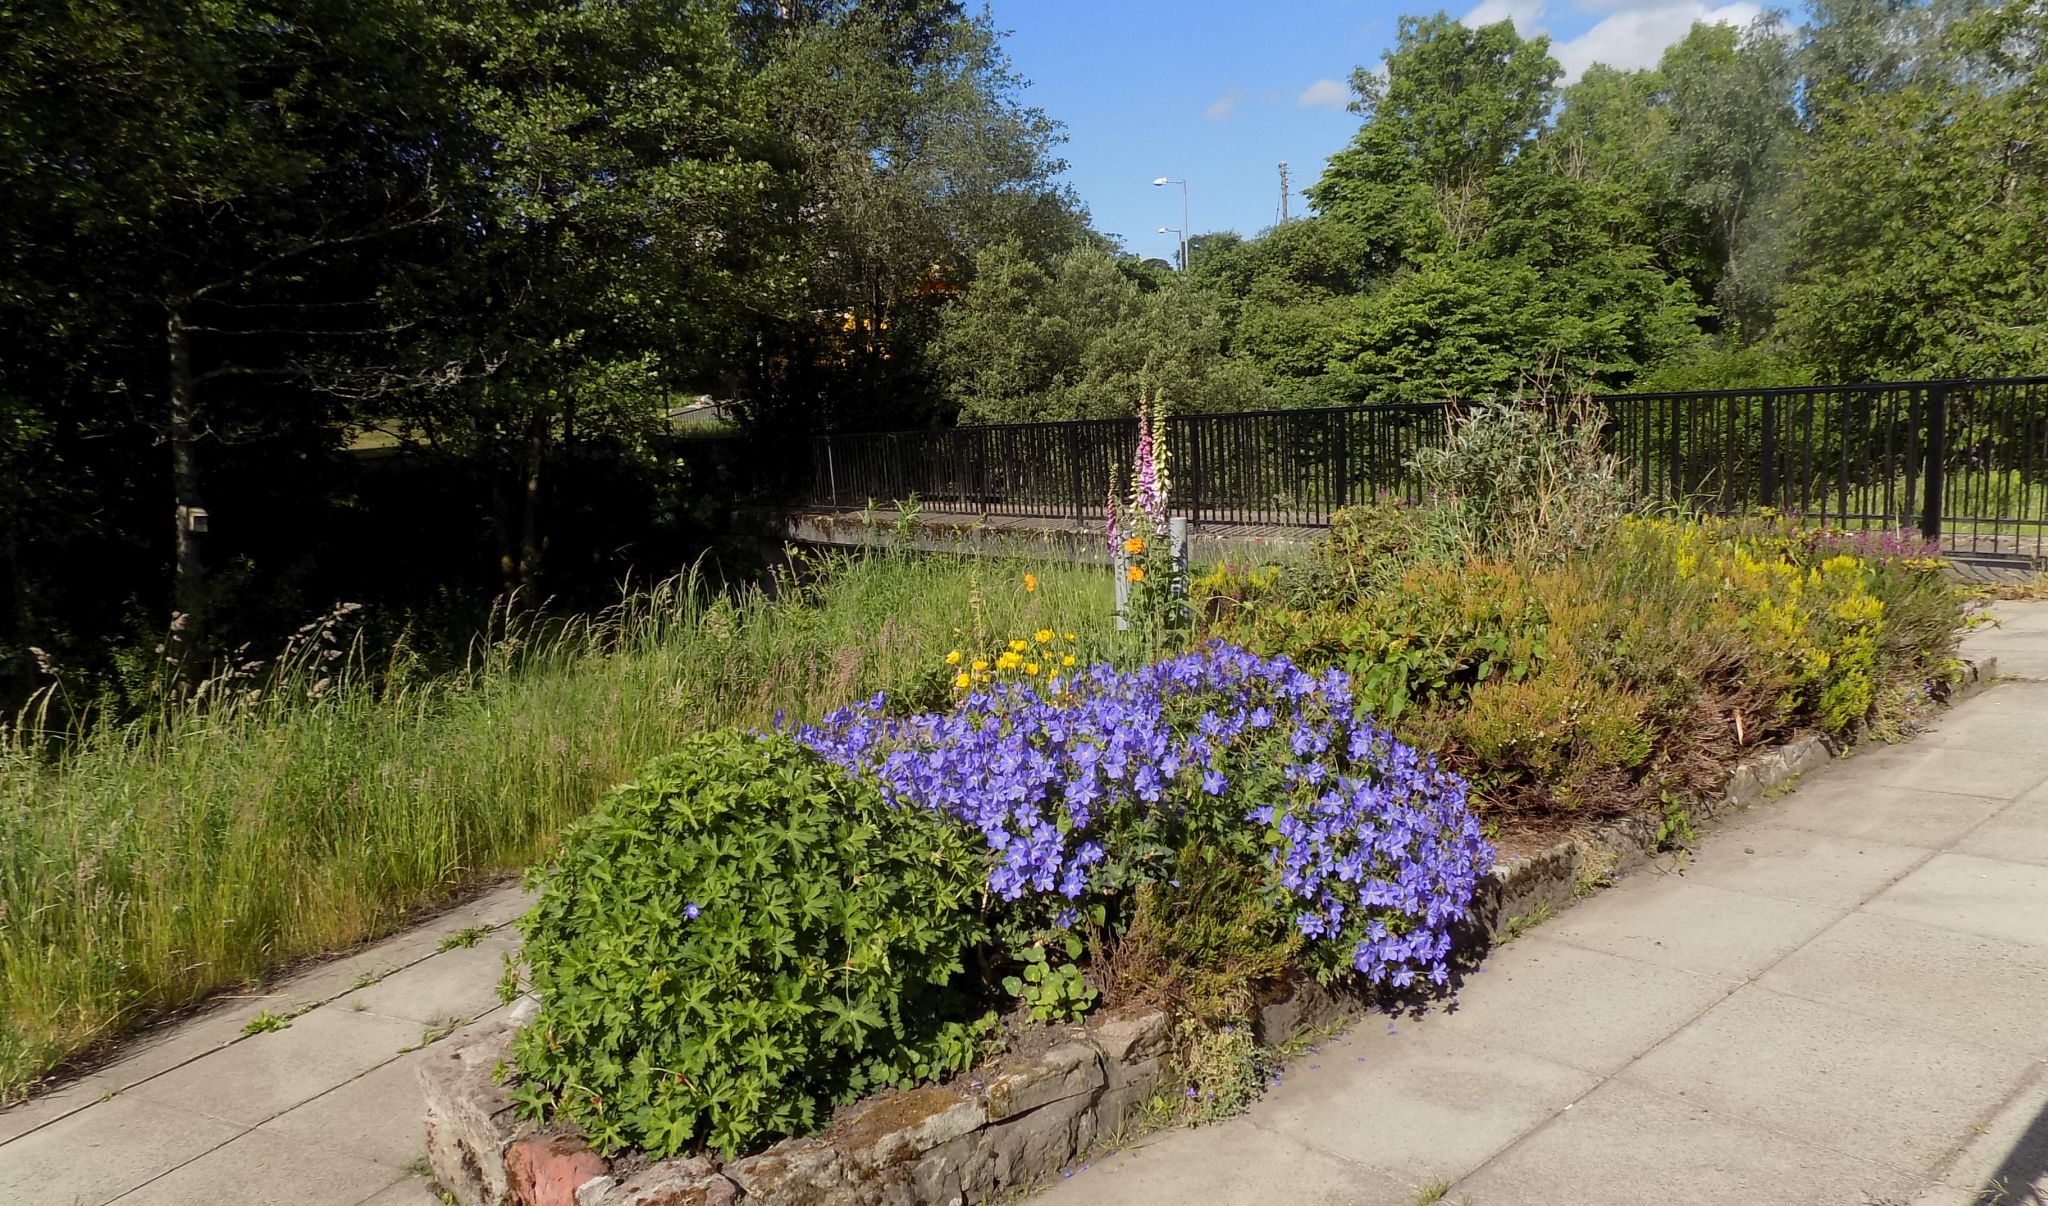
<point x="260" y="1169"/>
<point x="91" y="1157"/>
<point x="412" y="1191"/>
<point x="380" y="1116"/>
<point x="2012" y="721"/>
<point x="461" y="982"/>
<point x="2007" y="1164"/>
<point x="1987" y="990"/>
<point x="266" y="1074"/>
<point x="1235" y="1163"/>
<point x="1871" y="1088"/>
<point x="1669" y="920"/>
<point x="1791" y="863"/>
<point x="1966" y="772"/>
<point x="2017" y="833"/>
<point x="1421" y="1104"/>
<point x="57" y="1103"/>
<point x="1586" y="1009"/>
<point x="1908" y="816"/>
<point x="1626" y="1145"/>
<point x="1977" y="895"/>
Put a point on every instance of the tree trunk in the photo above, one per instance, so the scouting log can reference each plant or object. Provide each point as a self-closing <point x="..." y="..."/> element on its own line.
<point x="520" y="543"/>
<point x="188" y="589"/>
<point x="531" y="543"/>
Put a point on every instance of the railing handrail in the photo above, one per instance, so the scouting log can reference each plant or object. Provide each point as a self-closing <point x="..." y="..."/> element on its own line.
<point x="1422" y="407"/>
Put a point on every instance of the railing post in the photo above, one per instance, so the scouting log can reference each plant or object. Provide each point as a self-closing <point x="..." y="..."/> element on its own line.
<point x="1076" y="493"/>
<point x="1342" y="494"/>
<point x="1768" y="486"/>
<point x="1937" y="452"/>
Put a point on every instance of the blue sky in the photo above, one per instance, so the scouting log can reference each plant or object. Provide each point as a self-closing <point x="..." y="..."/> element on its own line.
<point x="1220" y="92"/>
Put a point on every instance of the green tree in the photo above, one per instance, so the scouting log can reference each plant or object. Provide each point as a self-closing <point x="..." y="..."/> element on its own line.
<point x="197" y="233"/>
<point x="1454" y="105"/>
<point x="1921" y="236"/>
<point x="915" y="153"/>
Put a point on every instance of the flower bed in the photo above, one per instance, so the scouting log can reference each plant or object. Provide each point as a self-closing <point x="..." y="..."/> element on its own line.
<point x="767" y="926"/>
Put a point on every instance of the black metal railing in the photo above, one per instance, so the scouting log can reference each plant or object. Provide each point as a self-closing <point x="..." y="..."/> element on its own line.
<point x="1963" y="461"/>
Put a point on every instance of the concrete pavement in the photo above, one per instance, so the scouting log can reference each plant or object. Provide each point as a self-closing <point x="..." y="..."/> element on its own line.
<point x="1840" y="997"/>
<point x="326" y="1111"/>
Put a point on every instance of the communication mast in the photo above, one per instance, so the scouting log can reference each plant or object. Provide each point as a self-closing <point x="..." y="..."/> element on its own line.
<point x="1283" y="194"/>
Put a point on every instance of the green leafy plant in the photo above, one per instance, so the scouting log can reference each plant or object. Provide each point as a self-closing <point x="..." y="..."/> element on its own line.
<point x="1675" y="829"/>
<point x="1054" y="992"/>
<point x="266" y="1021"/>
<point x="738" y="940"/>
<point x="464" y="938"/>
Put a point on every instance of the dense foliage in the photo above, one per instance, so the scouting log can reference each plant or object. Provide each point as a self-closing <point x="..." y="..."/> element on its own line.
<point x="1587" y="660"/>
<point x="739" y="939"/>
<point x="369" y="284"/>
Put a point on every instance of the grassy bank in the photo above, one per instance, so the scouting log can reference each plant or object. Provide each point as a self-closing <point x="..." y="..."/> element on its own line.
<point x="310" y="804"/>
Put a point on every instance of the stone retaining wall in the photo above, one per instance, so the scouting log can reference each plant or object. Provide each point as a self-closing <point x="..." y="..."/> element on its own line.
<point x="1015" y="1122"/>
<point x="1012" y="1124"/>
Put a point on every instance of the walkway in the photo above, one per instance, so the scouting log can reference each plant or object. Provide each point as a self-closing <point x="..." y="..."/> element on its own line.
<point x="324" y="1112"/>
<point x="1841" y="997"/>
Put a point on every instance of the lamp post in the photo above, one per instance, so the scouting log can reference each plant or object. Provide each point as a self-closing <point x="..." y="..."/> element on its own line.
<point x="1162" y="182"/>
<point x="1181" y="238"/>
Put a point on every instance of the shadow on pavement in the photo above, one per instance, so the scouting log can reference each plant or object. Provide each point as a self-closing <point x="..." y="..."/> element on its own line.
<point x="2021" y="1179"/>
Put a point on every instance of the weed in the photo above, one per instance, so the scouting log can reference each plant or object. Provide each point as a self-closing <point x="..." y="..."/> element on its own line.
<point x="1675" y="829"/>
<point x="1432" y="1191"/>
<point x="420" y="1167"/>
<point x="464" y="938"/>
<point x="1515" y="927"/>
<point x="436" y="1030"/>
<point x="265" y="1022"/>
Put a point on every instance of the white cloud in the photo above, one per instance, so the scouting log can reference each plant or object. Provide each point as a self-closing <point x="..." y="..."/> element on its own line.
<point x="1633" y="34"/>
<point x="1637" y="37"/>
<point x="1522" y="12"/>
<point x="1224" y="107"/>
<point x="1324" y="94"/>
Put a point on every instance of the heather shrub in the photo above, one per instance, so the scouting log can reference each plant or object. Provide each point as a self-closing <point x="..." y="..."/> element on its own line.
<point x="1632" y="669"/>
<point x="739" y="939"/>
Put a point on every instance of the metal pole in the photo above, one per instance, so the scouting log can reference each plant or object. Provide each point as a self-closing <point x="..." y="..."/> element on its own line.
<point x="1937" y="452"/>
<point x="1183" y="226"/>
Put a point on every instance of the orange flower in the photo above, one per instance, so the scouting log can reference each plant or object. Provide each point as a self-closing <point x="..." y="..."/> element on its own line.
<point x="1030" y="583"/>
<point x="1135" y="544"/>
<point x="1136" y="573"/>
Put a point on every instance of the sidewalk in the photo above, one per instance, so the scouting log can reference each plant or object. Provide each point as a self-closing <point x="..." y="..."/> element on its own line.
<point x="1841" y="997"/>
<point x="325" y="1112"/>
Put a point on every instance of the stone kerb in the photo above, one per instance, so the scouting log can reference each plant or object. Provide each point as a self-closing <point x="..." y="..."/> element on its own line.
<point x="1020" y="1120"/>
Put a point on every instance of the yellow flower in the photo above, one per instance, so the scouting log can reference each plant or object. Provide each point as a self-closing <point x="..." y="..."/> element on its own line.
<point x="1018" y="646"/>
<point x="1042" y="636"/>
<point x="1069" y="636"/>
<point x="1031" y="667"/>
<point x="1067" y="660"/>
<point x="1030" y="583"/>
<point x="953" y="658"/>
<point x="1136" y="573"/>
<point x="960" y="681"/>
<point x="979" y="665"/>
<point x="1009" y="661"/>
<point x="1135" y="544"/>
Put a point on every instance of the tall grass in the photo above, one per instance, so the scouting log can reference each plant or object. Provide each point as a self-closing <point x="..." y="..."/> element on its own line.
<point x="311" y="804"/>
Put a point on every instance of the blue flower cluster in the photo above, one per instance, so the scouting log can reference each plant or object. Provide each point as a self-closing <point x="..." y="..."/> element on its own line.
<point x="1370" y="843"/>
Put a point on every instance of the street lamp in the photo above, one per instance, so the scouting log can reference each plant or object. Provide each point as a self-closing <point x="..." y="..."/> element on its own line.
<point x="1183" y="245"/>
<point x="1162" y="182"/>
